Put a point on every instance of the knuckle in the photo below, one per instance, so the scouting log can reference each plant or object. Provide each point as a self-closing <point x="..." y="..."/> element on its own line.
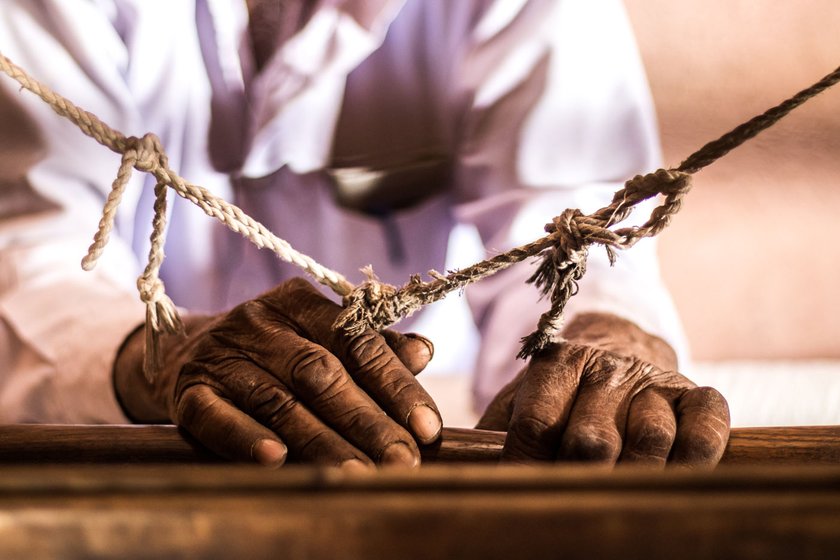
<point x="320" y="446"/>
<point x="250" y="312"/>
<point x="269" y="402"/>
<point x="369" y="350"/>
<point x="274" y="407"/>
<point x="315" y="373"/>
<point x="192" y="405"/>
<point x="708" y="442"/>
<point x="707" y="398"/>
<point x="530" y="432"/>
<point x="299" y="284"/>
<point x="592" y="442"/>
<point x="300" y="293"/>
<point x="702" y="447"/>
<point x="653" y="436"/>
<point x="354" y="418"/>
<point x="601" y="367"/>
<point x="370" y="431"/>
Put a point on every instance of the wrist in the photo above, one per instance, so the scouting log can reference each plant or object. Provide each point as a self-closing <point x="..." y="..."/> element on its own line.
<point x="620" y="336"/>
<point x="134" y="393"/>
<point x="142" y="401"/>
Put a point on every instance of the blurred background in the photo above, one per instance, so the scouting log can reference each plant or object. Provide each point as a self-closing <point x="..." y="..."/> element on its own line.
<point x="752" y="259"/>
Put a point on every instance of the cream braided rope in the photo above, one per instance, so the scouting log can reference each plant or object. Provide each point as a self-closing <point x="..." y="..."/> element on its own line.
<point x="563" y="250"/>
<point x="146" y="154"/>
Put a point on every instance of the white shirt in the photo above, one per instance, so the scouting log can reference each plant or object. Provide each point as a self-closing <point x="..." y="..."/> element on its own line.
<point x="536" y="106"/>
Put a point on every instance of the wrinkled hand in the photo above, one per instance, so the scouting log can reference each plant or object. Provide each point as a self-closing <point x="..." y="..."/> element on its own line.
<point x="271" y="378"/>
<point x="609" y="394"/>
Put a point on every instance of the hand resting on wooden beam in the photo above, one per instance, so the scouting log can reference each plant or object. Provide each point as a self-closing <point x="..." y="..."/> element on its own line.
<point x="609" y="393"/>
<point x="271" y="379"/>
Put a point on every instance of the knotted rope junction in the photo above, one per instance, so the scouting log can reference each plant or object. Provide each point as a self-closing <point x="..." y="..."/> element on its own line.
<point x="562" y="251"/>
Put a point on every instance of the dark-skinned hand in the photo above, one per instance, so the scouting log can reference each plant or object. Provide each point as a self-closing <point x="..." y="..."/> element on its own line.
<point x="271" y="379"/>
<point x="609" y="394"/>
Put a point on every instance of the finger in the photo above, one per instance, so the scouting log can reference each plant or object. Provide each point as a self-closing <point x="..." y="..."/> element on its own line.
<point x="651" y="428"/>
<point x="592" y="434"/>
<point x="259" y="394"/>
<point x="383" y="376"/>
<point x="373" y="365"/>
<point x="702" y="428"/>
<point x="413" y="350"/>
<point x="318" y="379"/>
<point x="541" y="407"/>
<point x="227" y="431"/>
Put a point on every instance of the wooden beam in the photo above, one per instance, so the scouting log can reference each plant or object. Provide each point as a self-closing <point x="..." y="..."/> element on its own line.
<point x="441" y="511"/>
<point x="39" y="443"/>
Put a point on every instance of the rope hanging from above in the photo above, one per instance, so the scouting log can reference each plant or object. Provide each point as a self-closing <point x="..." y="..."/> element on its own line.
<point x="562" y="251"/>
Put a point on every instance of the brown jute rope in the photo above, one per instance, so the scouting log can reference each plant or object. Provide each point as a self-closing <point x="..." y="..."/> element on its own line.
<point x="562" y="251"/>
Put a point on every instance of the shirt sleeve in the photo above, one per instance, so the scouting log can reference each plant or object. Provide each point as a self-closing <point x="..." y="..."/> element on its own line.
<point x="560" y="116"/>
<point x="60" y="327"/>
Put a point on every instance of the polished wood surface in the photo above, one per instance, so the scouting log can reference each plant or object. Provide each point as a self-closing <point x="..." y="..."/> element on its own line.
<point x="33" y="443"/>
<point x="440" y="511"/>
<point x="94" y="492"/>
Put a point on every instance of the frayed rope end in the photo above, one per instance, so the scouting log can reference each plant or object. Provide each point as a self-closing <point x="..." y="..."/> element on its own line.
<point x="161" y="318"/>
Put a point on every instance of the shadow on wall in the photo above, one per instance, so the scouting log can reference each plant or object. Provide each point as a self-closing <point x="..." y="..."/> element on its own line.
<point x="750" y="259"/>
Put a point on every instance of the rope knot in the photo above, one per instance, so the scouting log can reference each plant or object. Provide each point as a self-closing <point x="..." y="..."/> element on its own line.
<point x="570" y="238"/>
<point x="162" y="315"/>
<point x="147" y="151"/>
<point x="374" y="304"/>
<point x="151" y="289"/>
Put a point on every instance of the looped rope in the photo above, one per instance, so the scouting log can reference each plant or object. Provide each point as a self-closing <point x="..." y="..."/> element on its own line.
<point x="673" y="184"/>
<point x="374" y="304"/>
<point x="564" y="264"/>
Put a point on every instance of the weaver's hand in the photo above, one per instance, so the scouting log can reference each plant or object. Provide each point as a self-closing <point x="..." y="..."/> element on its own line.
<point x="609" y="394"/>
<point x="271" y="378"/>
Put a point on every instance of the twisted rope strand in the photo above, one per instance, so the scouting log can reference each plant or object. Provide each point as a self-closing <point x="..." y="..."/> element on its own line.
<point x="161" y="313"/>
<point x="149" y="146"/>
<point x="563" y="251"/>
<point x="146" y="154"/>
<point x="716" y="149"/>
<point x="109" y="212"/>
<point x="554" y="276"/>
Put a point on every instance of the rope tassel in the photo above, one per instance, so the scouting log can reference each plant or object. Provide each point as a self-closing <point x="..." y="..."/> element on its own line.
<point x="144" y="154"/>
<point x="161" y="318"/>
<point x="161" y="314"/>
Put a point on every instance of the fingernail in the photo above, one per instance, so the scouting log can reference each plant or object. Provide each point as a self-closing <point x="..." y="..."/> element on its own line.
<point x="269" y="453"/>
<point x="398" y="453"/>
<point x="425" y="423"/>
<point x="429" y="345"/>
<point x="354" y="466"/>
